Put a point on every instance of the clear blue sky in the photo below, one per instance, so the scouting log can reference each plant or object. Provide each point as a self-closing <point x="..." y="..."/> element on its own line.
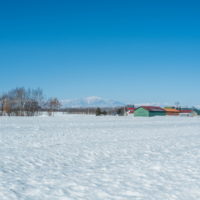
<point x="132" y="51"/>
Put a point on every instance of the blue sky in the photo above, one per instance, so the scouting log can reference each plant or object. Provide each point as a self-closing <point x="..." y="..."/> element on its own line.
<point x="132" y="51"/>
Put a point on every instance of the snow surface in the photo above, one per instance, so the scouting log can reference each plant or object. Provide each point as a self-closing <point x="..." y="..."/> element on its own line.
<point x="87" y="157"/>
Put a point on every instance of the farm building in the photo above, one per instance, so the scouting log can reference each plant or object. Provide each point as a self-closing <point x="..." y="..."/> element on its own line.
<point x="149" y="111"/>
<point x="130" y="110"/>
<point x="188" y="113"/>
<point x="171" y="111"/>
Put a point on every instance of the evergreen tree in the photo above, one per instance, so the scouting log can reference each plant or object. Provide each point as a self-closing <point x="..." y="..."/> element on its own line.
<point x="104" y="113"/>
<point x="98" y="111"/>
<point x="120" y="111"/>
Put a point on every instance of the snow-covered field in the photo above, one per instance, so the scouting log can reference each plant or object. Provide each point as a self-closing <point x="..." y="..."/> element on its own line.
<point x="88" y="157"/>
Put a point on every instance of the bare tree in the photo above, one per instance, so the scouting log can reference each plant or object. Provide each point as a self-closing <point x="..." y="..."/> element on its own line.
<point x="21" y="102"/>
<point x="53" y="105"/>
<point x="177" y="105"/>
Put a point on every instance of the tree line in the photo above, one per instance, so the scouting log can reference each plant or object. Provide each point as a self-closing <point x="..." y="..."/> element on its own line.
<point x="26" y="102"/>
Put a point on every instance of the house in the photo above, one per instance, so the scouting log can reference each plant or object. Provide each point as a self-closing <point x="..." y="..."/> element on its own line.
<point x="171" y="111"/>
<point x="149" y="111"/>
<point x="188" y="113"/>
<point x="130" y="110"/>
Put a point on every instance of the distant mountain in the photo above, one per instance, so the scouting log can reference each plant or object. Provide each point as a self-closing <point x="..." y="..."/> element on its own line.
<point x="153" y="104"/>
<point x="90" y="102"/>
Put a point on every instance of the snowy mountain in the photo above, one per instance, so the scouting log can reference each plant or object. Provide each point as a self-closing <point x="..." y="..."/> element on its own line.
<point x="90" y="102"/>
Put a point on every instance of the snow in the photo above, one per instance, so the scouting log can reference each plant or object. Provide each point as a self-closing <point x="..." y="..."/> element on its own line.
<point x="87" y="157"/>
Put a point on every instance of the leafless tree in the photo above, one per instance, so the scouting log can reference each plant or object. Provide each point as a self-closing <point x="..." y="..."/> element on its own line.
<point x="53" y="105"/>
<point x="21" y="102"/>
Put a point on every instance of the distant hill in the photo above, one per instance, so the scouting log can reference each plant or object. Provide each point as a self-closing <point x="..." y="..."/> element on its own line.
<point x="91" y="102"/>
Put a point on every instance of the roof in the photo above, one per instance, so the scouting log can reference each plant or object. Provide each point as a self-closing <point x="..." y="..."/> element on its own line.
<point x="129" y="108"/>
<point x="153" y="108"/>
<point x="171" y="110"/>
<point x="186" y="111"/>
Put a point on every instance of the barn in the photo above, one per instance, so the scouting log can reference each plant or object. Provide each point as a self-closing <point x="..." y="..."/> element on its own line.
<point x="172" y="111"/>
<point x="130" y="110"/>
<point x="149" y="111"/>
<point x="188" y="113"/>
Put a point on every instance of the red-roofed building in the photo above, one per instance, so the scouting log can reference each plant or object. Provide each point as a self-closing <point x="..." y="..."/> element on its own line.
<point x="149" y="111"/>
<point x="188" y="113"/>
<point x="130" y="110"/>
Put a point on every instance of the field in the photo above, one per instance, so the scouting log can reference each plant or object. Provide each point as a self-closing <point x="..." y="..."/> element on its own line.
<point x="72" y="157"/>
